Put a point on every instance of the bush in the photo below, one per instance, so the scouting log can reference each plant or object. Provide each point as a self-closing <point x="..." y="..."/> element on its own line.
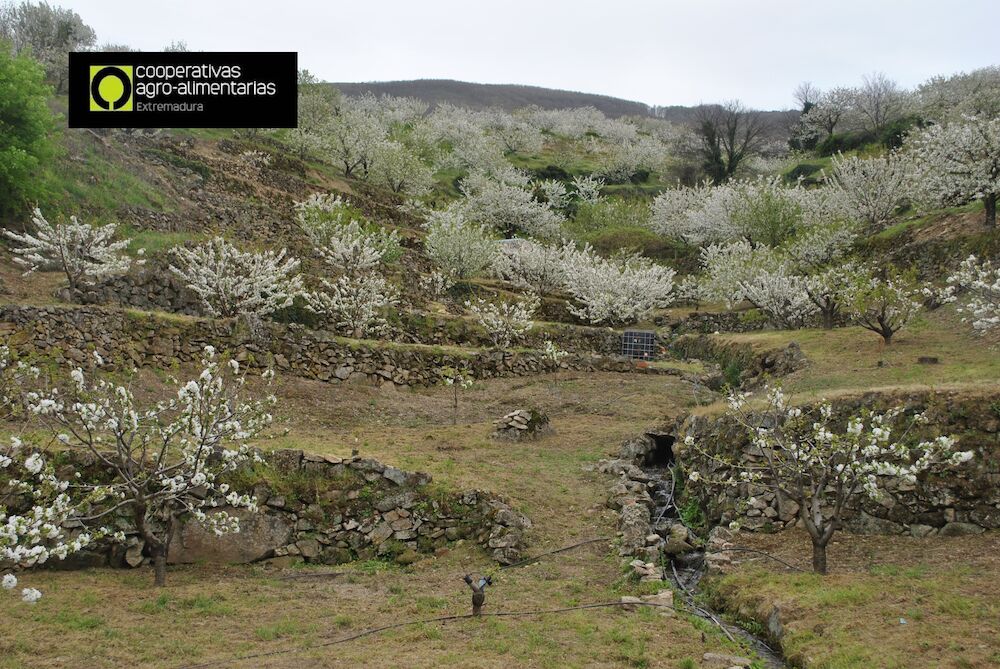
<point x="805" y="172"/>
<point x="25" y="124"/>
<point x="551" y="172"/>
<point x="845" y="142"/>
<point x="893" y="134"/>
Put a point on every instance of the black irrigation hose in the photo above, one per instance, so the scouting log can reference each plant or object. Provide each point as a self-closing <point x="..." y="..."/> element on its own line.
<point x="558" y="550"/>
<point x="441" y="619"/>
<point x="765" y="554"/>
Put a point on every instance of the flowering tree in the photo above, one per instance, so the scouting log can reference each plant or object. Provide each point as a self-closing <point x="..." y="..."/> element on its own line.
<point x="460" y="248"/>
<point x="588" y="188"/>
<point x="351" y="139"/>
<point x="167" y="461"/>
<point x="85" y="253"/>
<point x="871" y="188"/>
<point x="507" y="208"/>
<point x="621" y="290"/>
<point x="827" y="288"/>
<point x="36" y="505"/>
<point x="782" y="296"/>
<point x="554" y="193"/>
<point x="879" y="101"/>
<point x="505" y="322"/>
<point x="809" y="458"/>
<point x="400" y="170"/>
<point x="828" y="111"/>
<point x="958" y="162"/>
<point x="528" y="264"/>
<point x="882" y="305"/>
<point x="456" y="380"/>
<point x="231" y="282"/>
<point x="436" y="284"/>
<point x="729" y="268"/>
<point x="357" y="304"/>
<point x="980" y="284"/>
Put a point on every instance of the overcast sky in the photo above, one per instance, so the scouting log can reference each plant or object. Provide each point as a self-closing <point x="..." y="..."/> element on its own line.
<point x="658" y="52"/>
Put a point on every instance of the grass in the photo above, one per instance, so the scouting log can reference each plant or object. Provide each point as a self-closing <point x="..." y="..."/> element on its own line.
<point x="889" y="601"/>
<point x="923" y="220"/>
<point x="851" y="358"/>
<point x="97" y="183"/>
<point x="214" y="612"/>
<point x="155" y="242"/>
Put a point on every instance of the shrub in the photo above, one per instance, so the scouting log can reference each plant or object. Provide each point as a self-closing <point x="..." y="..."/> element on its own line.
<point x="25" y="123"/>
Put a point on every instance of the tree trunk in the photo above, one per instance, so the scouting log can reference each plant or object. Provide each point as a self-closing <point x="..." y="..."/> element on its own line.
<point x="886" y="336"/>
<point x="160" y="566"/>
<point x="828" y="318"/>
<point x="819" y="557"/>
<point x="991" y="210"/>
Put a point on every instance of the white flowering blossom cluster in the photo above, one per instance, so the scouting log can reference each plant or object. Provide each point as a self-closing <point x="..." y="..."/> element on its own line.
<point x="357" y="305"/>
<point x="436" y="284"/>
<point x="460" y="248"/>
<point x="36" y="506"/>
<point x="782" y="296"/>
<point x="759" y="211"/>
<point x="532" y="265"/>
<point x="508" y="208"/>
<point x="587" y="189"/>
<point x="977" y="285"/>
<point x="958" y="162"/>
<point x="806" y="456"/>
<point x="358" y="295"/>
<point x="169" y="460"/>
<point x="871" y="188"/>
<point x="505" y="322"/>
<point x="85" y="253"/>
<point x="624" y="289"/>
<point x="231" y="282"/>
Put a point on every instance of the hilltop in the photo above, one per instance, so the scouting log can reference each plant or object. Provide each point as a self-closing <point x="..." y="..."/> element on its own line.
<point x="505" y="96"/>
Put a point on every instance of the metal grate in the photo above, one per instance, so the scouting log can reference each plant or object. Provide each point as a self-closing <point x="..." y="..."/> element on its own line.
<point x="639" y="344"/>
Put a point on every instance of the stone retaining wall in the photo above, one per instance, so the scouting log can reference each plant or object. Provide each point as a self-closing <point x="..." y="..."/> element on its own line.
<point x="145" y="339"/>
<point x="949" y="500"/>
<point x="740" y="363"/>
<point x="329" y="510"/>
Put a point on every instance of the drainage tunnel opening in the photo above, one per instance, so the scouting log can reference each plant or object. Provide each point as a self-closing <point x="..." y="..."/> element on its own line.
<point x="662" y="454"/>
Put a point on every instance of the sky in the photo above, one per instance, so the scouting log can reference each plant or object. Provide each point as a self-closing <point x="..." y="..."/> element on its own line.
<point x="666" y="52"/>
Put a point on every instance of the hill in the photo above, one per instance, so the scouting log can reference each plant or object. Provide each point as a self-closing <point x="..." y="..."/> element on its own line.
<point x="506" y="96"/>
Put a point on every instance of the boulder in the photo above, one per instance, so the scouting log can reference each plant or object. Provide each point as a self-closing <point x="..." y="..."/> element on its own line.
<point x="259" y="535"/>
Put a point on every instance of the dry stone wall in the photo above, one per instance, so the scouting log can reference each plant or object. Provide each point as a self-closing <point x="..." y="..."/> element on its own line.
<point x="144" y="339"/>
<point x="949" y="500"/>
<point x="326" y="509"/>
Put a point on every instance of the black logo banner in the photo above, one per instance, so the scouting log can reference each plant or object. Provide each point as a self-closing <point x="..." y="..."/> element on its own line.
<point x="183" y="90"/>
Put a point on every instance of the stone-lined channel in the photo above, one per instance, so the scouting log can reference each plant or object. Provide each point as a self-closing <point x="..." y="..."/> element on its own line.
<point x="654" y="533"/>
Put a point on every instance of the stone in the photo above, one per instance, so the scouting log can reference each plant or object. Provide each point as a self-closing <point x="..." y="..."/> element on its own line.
<point x="133" y="555"/>
<point x="634" y="527"/>
<point x="395" y="475"/>
<point x="308" y="548"/>
<point x="957" y="529"/>
<point x="921" y="531"/>
<point x="663" y="601"/>
<point x="723" y="660"/>
<point x="630" y="603"/>
<point x="259" y="535"/>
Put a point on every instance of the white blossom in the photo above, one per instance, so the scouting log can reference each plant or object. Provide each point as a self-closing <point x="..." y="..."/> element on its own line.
<point x="231" y="282"/>
<point x="85" y="253"/>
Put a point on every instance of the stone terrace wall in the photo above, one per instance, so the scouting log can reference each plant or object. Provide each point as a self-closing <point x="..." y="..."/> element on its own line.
<point x="751" y="367"/>
<point x="153" y="287"/>
<point x="141" y="339"/>
<point x="328" y="510"/>
<point x="951" y="500"/>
